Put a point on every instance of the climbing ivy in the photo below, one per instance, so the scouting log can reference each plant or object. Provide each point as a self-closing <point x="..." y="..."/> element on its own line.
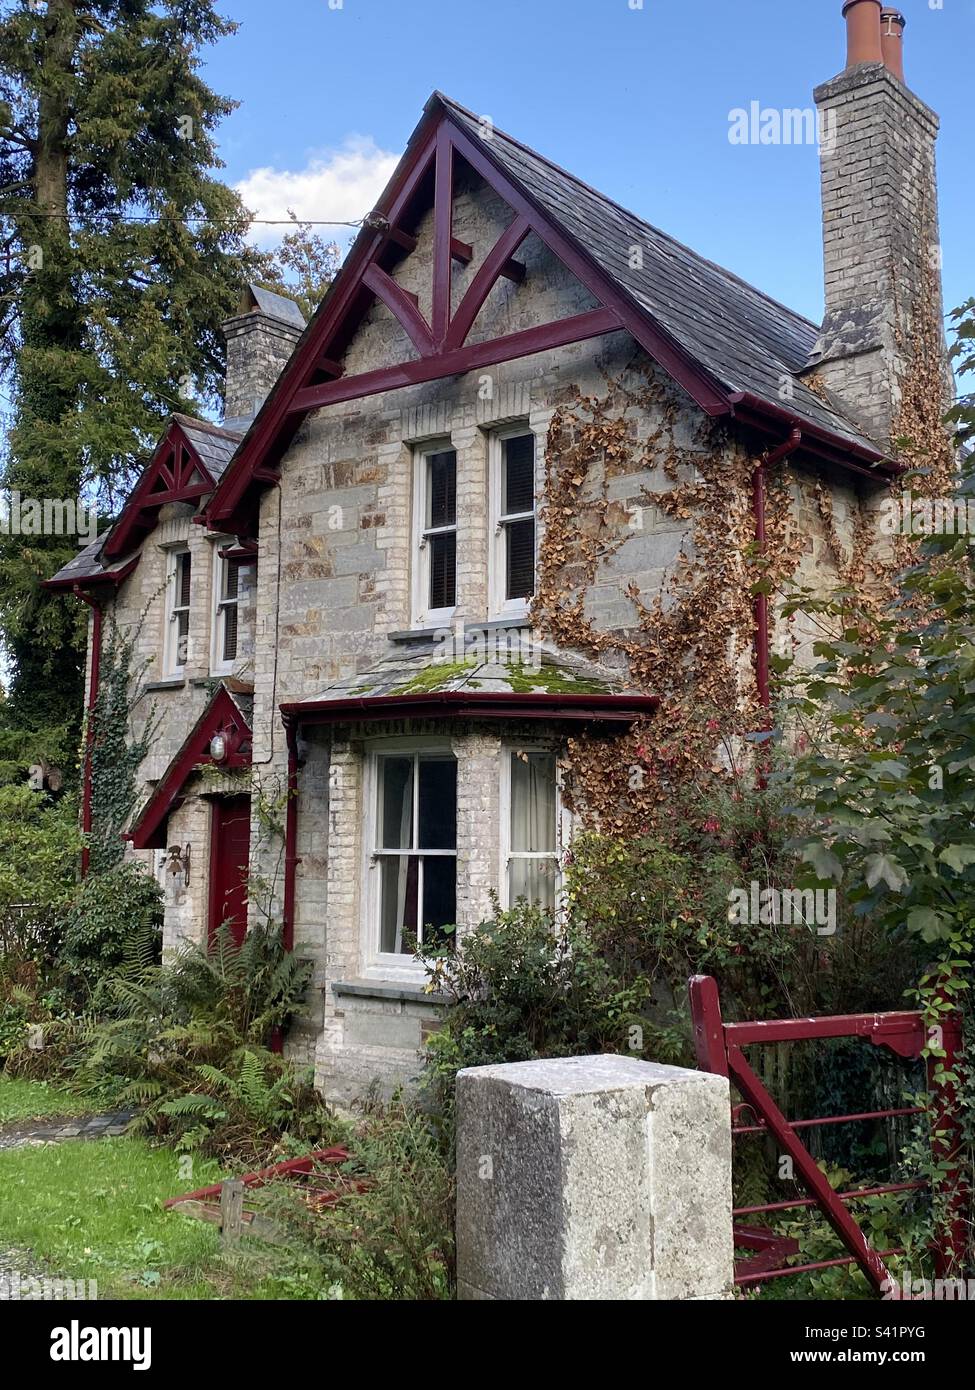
<point x="111" y="745"/>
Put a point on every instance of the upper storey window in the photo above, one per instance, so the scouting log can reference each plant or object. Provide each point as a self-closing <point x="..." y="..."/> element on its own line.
<point x="512" y="580"/>
<point x="178" y="590"/>
<point x="435" y="535"/>
<point x="229" y="591"/>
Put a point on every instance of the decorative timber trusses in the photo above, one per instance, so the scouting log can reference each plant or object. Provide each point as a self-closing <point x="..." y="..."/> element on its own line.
<point x="423" y="180"/>
<point x="184" y="467"/>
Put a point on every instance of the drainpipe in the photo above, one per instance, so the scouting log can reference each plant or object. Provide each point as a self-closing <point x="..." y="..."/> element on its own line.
<point x="291" y="860"/>
<point x="767" y="461"/>
<point x="96" y="661"/>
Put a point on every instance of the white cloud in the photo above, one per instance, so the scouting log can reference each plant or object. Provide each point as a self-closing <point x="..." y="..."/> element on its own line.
<point x="341" y="183"/>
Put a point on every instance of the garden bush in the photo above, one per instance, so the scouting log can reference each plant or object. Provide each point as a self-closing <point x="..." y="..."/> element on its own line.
<point x="114" y="920"/>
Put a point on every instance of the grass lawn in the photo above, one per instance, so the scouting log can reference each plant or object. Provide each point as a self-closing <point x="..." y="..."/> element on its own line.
<point x="93" y="1210"/>
<point x="36" y="1100"/>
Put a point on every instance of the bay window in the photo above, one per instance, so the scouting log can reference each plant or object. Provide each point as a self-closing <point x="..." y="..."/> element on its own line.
<point x="414" y="850"/>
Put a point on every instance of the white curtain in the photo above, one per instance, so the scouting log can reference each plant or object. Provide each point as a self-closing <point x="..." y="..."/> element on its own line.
<point x="532" y="827"/>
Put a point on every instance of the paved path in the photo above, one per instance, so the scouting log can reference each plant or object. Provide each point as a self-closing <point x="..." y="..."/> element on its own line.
<point x="53" y="1131"/>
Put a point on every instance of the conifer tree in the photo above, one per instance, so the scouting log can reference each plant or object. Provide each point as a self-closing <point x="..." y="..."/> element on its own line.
<point x="120" y="254"/>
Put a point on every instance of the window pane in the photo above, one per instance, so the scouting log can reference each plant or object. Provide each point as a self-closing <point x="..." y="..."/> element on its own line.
<point x="398" y="891"/>
<point x="439" y="899"/>
<point x="230" y="632"/>
<point x="520" y="559"/>
<point x="183" y="581"/>
<point x="438" y="804"/>
<point x="396" y="802"/>
<point x="182" y="637"/>
<point x="231" y="578"/>
<point x="533" y="802"/>
<point x="443" y="570"/>
<point x="442" y="489"/>
<point x="533" y="879"/>
<point x="518" y="475"/>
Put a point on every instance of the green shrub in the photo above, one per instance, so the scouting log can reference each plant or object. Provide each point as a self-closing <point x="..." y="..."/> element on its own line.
<point x="522" y="986"/>
<point x="114" y="920"/>
<point x="393" y="1238"/>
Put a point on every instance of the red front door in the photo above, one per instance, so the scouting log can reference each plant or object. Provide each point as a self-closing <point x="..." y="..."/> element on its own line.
<point x="230" y="837"/>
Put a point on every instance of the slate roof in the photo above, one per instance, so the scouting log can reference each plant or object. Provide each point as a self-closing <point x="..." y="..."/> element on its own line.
<point x="746" y="340"/>
<point x="87" y="565"/>
<point x="215" y="444"/>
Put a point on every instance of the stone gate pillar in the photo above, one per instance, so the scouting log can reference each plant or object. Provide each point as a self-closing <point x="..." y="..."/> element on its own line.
<point x="593" y="1178"/>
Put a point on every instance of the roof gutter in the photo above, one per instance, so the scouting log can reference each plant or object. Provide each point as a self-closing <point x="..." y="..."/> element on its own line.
<point x="459" y="704"/>
<point x="882" y="464"/>
<point x="110" y="579"/>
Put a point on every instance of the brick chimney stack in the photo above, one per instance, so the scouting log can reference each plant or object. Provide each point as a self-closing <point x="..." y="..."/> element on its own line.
<point x="260" y="339"/>
<point x="880" y="227"/>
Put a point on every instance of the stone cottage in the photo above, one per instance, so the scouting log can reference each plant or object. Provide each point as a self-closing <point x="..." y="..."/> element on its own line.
<point x="363" y="696"/>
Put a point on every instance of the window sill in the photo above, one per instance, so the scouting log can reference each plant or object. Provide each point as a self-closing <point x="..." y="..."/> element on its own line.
<point x="387" y="989"/>
<point x="168" y="683"/>
<point x="507" y="620"/>
<point x="427" y="634"/>
<point x="420" y="634"/>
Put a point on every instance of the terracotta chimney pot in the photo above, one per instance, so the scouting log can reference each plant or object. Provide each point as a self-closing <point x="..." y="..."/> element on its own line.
<point x="863" y="31"/>
<point x="892" y="24"/>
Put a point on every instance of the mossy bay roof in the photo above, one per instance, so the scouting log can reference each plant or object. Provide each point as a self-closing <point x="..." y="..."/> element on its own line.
<point x="503" y="680"/>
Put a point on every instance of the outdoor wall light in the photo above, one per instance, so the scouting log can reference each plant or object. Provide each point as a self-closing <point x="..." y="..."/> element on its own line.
<point x="218" y="747"/>
<point x="179" y="863"/>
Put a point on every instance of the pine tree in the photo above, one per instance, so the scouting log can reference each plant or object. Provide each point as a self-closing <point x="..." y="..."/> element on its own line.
<point x="120" y="255"/>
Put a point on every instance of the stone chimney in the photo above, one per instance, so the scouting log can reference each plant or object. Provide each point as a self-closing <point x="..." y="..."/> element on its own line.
<point x="882" y="348"/>
<point x="260" y="339"/>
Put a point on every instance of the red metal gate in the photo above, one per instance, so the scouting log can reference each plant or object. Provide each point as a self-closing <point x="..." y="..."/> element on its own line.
<point x="719" y="1049"/>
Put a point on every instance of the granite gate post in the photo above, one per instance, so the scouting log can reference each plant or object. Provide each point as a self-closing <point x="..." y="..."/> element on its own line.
<point x="593" y="1178"/>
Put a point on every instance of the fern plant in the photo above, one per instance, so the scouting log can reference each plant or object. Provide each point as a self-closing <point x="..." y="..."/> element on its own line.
<point x="188" y="1044"/>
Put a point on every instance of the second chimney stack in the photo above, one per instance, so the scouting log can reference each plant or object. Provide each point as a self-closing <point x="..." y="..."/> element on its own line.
<point x="892" y="24"/>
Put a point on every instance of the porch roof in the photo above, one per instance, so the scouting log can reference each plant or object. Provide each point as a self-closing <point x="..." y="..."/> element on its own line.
<point x="229" y="713"/>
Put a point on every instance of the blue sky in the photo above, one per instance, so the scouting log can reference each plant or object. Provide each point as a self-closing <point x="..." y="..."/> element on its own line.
<point x="634" y="101"/>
